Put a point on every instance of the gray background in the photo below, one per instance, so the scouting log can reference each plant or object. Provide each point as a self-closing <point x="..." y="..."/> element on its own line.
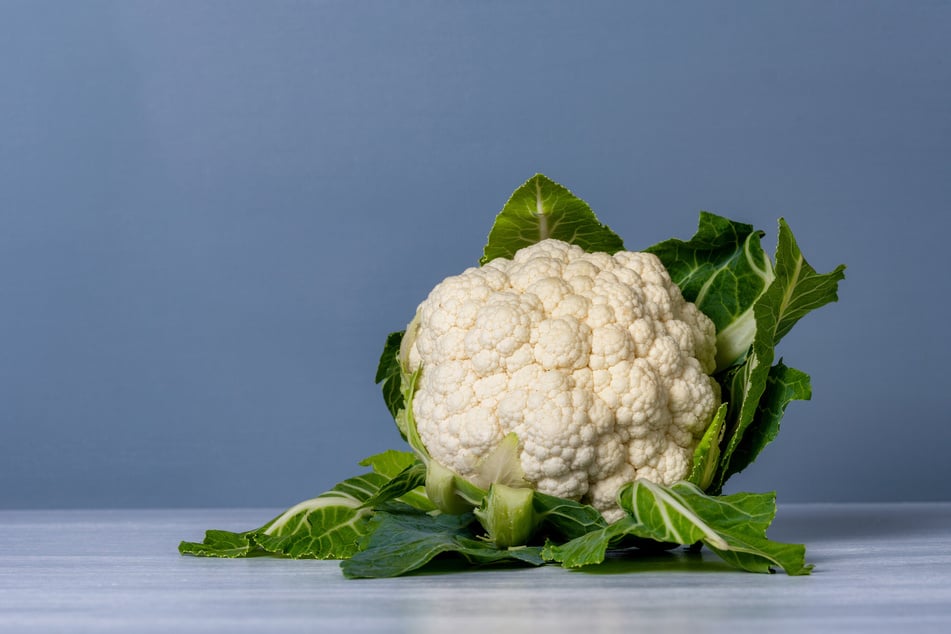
<point x="211" y="214"/>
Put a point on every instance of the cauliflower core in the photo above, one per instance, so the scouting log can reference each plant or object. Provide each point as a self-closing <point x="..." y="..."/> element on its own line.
<point x="595" y="361"/>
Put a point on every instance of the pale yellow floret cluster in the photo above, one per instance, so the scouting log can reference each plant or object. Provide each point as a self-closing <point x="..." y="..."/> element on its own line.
<point x="595" y="361"/>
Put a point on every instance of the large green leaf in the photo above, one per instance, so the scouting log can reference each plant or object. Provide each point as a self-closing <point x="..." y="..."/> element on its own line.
<point x="722" y="269"/>
<point x="404" y="542"/>
<point x="753" y="303"/>
<point x="329" y="526"/>
<point x="541" y="209"/>
<point x="732" y="526"/>
<point x="796" y="290"/>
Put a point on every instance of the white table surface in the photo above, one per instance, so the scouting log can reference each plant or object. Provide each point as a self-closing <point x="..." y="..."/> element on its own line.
<point x="879" y="568"/>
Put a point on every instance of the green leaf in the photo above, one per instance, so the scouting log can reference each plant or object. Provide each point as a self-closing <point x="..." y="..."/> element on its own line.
<point x="783" y="385"/>
<point x="706" y="456"/>
<point x="222" y="544"/>
<point x="590" y="548"/>
<point x="722" y="269"/>
<point x="647" y="502"/>
<point x="406" y="421"/>
<point x="389" y="374"/>
<point x="407" y="486"/>
<point x="796" y="290"/>
<point x="727" y="524"/>
<point x="329" y="526"/>
<point x="732" y="526"/>
<point x="323" y="528"/>
<point x="568" y="518"/>
<point x="390" y="462"/>
<point x="541" y="209"/>
<point x="404" y="542"/>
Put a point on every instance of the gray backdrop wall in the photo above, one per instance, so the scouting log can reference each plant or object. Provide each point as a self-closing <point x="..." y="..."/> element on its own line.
<point x="213" y="212"/>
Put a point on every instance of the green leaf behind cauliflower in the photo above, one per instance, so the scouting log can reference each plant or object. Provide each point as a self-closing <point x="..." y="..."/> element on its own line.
<point x="541" y="209"/>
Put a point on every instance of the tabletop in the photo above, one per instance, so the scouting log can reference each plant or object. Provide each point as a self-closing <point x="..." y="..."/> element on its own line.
<point x="879" y="568"/>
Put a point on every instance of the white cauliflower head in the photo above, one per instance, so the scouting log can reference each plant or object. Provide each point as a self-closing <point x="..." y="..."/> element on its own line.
<point x="596" y="362"/>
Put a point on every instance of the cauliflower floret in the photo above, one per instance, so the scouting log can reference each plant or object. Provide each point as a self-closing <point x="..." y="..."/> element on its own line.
<point x="595" y="362"/>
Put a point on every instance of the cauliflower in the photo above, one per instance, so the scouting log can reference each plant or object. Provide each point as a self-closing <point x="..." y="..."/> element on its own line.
<point x="563" y="400"/>
<point x="594" y="361"/>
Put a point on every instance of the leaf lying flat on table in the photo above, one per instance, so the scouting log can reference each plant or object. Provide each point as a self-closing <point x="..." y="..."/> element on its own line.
<point x="732" y="526"/>
<point x="329" y="526"/>
<point x="404" y="542"/>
